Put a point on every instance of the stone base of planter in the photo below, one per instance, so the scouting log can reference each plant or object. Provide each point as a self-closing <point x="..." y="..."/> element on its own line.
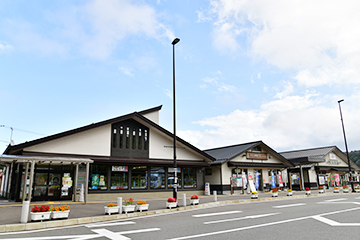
<point x="308" y="192"/>
<point x="336" y="191"/>
<point x="345" y="190"/>
<point x="39" y="216"/>
<point x="357" y="190"/>
<point x="254" y="196"/>
<point x="321" y="190"/>
<point x="110" y="210"/>
<point x="143" y="207"/>
<point x="274" y="194"/>
<point x="171" y="205"/>
<point x="60" y="214"/>
<point x="128" y="208"/>
<point x="289" y="194"/>
<point x="194" y="201"/>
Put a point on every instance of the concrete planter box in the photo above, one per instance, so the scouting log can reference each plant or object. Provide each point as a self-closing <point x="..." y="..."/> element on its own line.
<point x="60" y="214"/>
<point x="274" y="194"/>
<point x="110" y="210"/>
<point x="143" y="207"/>
<point x="321" y="190"/>
<point x="345" y="190"/>
<point x="39" y="216"/>
<point x="254" y="196"/>
<point x="289" y="193"/>
<point x="336" y="191"/>
<point x="171" y="205"/>
<point x="308" y="192"/>
<point x="128" y="208"/>
<point x="194" y="201"/>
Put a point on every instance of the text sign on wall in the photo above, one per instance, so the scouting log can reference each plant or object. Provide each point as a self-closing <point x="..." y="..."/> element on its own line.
<point x="262" y="156"/>
<point x="119" y="168"/>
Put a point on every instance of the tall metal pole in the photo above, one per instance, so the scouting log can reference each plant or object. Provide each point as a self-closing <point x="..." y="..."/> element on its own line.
<point x="175" y="41"/>
<point x="347" y="152"/>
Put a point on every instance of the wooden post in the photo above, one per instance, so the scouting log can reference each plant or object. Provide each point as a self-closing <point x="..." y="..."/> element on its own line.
<point x="25" y="180"/>
<point x="31" y="180"/>
<point x="86" y="183"/>
<point x="75" y="182"/>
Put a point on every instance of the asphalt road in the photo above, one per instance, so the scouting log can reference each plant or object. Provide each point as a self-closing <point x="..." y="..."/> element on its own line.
<point x="320" y="217"/>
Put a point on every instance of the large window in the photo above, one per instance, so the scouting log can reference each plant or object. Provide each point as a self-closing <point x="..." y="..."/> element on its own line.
<point x="157" y="177"/>
<point x="139" y="177"/>
<point x="189" y="177"/>
<point x="171" y="177"/>
<point x="98" y="177"/>
<point x="119" y="177"/>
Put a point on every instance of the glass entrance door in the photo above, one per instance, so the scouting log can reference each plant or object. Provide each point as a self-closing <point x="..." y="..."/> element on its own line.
<point x="54" y="186"/>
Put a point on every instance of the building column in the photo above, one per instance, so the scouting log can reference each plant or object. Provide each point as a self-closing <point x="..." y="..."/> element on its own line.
<point x="75" y="182"/>
<point x="31" y="180"/>
<point x="25" y="180"/>
<point x="86" y="182"/>
<point x="8" y="190"/>
<point x="301" y="178"/>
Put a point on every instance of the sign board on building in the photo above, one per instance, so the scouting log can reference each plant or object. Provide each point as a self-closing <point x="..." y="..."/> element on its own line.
<point x="332" y="156"/>
<point x="119" y="168"/>
<point x="260" y="156"/>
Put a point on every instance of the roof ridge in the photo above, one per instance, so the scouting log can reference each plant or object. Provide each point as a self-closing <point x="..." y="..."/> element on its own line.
<point x="302" y="150"/>
<point x="236" y="145"/>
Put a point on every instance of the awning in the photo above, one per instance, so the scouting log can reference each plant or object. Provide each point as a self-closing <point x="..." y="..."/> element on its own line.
<point x="330" y="168"/>
<point x="44" y="160"/>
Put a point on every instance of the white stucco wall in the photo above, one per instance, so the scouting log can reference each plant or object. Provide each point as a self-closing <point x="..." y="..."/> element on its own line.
<point x="161" y="147"/>
<point x="92" y="142"/>
<point x="214" y="178"/>
<point x="153" y="116"/>
<point x="341" y="162"/>
<point x="242" y="158"/>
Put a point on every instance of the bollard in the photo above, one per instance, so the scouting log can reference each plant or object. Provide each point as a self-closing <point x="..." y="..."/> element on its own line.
<point x="184" y="199"/>
<point x="119" y="203"/>
<point x="215" y="196"/>
<point x="25" y="212"/>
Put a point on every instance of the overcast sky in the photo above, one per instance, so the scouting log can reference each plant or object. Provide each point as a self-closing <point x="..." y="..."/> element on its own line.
<point x="245" y="70"/>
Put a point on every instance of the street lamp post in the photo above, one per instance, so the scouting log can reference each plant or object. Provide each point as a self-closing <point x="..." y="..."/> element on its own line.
<point x="347" y="152"/>
<point x="175" y="41"/>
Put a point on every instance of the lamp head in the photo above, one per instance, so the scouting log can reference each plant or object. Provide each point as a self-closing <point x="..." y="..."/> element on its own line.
<point x="176" y="40"/>
<point x="340" y="100"/>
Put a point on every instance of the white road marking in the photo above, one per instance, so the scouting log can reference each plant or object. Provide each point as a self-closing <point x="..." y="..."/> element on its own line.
<point x="290" y="205"/>
<point x="334" y="223"/>
<point x="242" y="218"/>
<point x="215" y="214"/>
<point x="98" y="233"/>
<point x="260" y="225"/>
<point x="108" y="224"/>
<point x="335" y="200"/>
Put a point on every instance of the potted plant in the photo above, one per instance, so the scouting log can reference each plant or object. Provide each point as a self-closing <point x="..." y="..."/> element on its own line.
<point x="111" y="208"/>
<point x="274" y="192"/>
<point x="142" y="206"/>
<point x="307" y="191"/>
<point x="194" y="199"/>
<point x="345" y="189"/>
<point x="357" y="188"/>
<point x="254" y="195"/>
<point x="289" y="192"/>
<point x="321" y="189"/>
<point x="128" y="206"/>
<point x="336" y="190"/>
<point x="171" y="203"/>
<point x="60" y="212"/>
<point x="40" y="213"/>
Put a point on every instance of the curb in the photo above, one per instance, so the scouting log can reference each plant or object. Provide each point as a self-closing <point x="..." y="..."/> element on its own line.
<point x="86" y="220"/>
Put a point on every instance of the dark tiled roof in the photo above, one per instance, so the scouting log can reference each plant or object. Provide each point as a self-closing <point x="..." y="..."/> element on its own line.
<point x="226" y="153"/>
<point x="313" y="153"/>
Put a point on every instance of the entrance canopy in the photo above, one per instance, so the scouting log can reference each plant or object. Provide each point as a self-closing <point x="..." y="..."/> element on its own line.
<point x="32" y="160"/>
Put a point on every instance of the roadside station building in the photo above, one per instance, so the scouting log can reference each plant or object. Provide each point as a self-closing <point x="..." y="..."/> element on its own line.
<point x="323" y="166"/>
<point x="237" y="165"/>
<point x="125" y="156"/>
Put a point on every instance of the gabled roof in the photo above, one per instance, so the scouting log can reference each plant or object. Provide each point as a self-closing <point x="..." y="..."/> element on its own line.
<point x="135" y="115"/>
<point x="315" y="155"/>
<point x="225" y="154"/>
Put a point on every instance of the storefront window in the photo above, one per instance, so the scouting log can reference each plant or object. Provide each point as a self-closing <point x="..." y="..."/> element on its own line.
<point x="119" y="177"/>
<point x="189" y="177"/>
<point x="139" y="177"/>
<point x="98" y="177"/>
<point x="171" y="177"/>
<point x="295" y="178"/>
<point x="157" y="177"/>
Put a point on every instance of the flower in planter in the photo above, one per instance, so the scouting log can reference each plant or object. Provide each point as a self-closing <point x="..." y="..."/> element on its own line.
<point x="141" y="202"/>
<point x="345" y="187"/>
<point x="320" y="187"/>
<point x="61" y="208"/>
<point x="289" y="190"/>
<point x="274" y="190"/>
<point x="129" y="201"/>
<point x="357" y="187"/>
<point x="254" y="193"/>
<point x="111" y="205"/>
<point x="336" y="188"/>
<point x="171" y="199"/>
<point x="194" y="196"/>
<point x="43" y="208"/>
<point x="307" y="189"/>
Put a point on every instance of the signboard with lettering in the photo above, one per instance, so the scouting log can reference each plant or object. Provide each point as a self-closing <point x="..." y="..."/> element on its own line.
<point x="119" y="168"/>
<point x="260" y="156"/>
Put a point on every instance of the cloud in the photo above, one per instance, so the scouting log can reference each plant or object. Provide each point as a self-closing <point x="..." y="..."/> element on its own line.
<point x="318" y="40"/>
<point x="292" y="122"/>
<point x="127" y="71"/>
<point x="5" y="48"/>
<point x="220" y="86"/>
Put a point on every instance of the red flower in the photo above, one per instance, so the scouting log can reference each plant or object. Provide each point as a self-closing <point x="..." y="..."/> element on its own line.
<point x="171" y="199"/>
<point x="43" y="208"/>
<point x="194" y="196"/>
<point x="307" y="189"/>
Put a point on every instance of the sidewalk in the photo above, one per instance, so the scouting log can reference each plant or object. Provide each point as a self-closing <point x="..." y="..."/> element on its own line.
<point x="93" y="211"/>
